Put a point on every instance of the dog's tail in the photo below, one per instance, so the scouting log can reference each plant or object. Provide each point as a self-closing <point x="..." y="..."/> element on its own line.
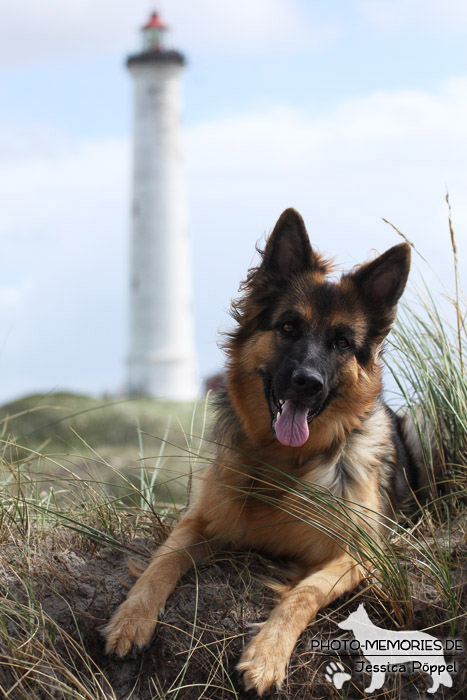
<point x="286" y="576"/>
<point x="419" y="440"/>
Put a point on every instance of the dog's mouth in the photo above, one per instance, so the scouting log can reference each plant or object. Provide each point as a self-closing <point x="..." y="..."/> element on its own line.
<point x="291" y="419"/>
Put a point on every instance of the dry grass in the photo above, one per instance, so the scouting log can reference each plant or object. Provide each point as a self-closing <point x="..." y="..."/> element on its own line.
<point x="60" y="585"/>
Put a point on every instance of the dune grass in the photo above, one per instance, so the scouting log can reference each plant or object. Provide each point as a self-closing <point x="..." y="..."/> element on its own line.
<point x="127" y="445"/>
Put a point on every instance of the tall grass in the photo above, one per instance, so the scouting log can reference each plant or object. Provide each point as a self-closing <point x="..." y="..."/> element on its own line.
<point x="428" y="362"/>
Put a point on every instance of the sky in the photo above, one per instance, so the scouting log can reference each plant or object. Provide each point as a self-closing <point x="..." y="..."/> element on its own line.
<point x="349" y="111"/>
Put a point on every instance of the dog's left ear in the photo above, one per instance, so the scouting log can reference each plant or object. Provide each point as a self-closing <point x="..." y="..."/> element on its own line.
<point x="288" y="250"/>
<point x="380" y="284"/>
<point x="383" y="280"/>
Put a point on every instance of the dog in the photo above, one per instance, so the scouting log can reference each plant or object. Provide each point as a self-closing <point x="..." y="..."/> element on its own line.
<point x="309" y="457"/>
<point x="399" y="650"/>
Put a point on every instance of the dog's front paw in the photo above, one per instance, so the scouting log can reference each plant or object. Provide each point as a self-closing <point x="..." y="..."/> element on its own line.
<point x="263" y="664"/>
<point x="132" y="625"/>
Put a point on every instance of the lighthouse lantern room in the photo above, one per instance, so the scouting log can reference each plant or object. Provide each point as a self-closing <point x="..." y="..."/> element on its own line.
<point x="153" y="33"/>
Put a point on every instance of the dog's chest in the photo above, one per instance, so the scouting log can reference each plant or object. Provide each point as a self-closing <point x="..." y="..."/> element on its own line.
<point x="294" y="529"/>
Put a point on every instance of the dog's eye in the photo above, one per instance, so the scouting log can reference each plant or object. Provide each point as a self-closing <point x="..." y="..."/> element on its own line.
<point x="287" y="327"/>
<point x="342" y="343"/>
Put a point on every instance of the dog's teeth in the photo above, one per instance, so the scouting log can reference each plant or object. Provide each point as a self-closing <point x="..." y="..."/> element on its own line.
<point x="278" y="415"/>
<point x="281" y="402"/>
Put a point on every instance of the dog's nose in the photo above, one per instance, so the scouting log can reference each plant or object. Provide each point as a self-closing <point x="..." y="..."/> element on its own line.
<point x="307" y="381"/>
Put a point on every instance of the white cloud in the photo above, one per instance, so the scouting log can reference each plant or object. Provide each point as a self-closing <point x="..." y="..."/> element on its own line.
<point x="376" y="151"/>
<point x="239" y="25"/>
<point x="48" y="29"/>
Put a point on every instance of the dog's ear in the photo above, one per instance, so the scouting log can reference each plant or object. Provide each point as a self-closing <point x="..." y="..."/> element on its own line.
<point x="380" y="284"/>
<point x="383" y="280"/>
<point x="288" y="250"/>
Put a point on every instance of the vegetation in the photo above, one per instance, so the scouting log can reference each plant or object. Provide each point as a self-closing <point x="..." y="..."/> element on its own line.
<point x="121" y="444"/>
<point x="85" y="483"/>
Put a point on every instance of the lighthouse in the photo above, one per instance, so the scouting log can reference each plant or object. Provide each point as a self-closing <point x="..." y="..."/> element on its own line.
<point x="161" y="360"/>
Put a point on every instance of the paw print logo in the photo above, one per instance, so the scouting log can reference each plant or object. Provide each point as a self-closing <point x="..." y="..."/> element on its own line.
<point x="336" y="674"/>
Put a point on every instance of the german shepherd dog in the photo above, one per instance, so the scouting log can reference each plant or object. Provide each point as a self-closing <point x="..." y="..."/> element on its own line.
<point x="301" y="421"/>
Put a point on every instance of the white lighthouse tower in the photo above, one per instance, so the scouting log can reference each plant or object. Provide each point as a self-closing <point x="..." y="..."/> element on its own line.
<point x="161" y="360"/>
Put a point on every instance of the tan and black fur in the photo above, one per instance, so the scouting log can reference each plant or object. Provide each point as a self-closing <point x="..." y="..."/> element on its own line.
<point x="302" y="414"/>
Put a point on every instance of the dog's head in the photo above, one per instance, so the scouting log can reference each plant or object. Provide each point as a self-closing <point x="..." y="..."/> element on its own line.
<point x="312" y="344"/>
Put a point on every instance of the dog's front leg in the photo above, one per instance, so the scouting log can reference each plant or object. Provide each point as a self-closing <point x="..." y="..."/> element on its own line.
<point x="134" y="622"/>
<point x="265" y="658"/>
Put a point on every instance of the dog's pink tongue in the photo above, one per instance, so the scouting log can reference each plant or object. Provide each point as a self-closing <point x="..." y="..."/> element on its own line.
<point x="291" y="427"/>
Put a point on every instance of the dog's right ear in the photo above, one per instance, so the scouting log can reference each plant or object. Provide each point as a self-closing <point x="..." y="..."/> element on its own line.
<point x="288" y="251"/>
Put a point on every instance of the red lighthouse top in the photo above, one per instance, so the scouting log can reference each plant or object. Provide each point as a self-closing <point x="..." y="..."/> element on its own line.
<point x="153" y="32"/>
<point x="155" y="22"/>
<point x="153" y="49"/>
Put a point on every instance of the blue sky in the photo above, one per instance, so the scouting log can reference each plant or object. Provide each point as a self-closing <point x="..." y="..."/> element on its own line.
<point x="350" y="111"/>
